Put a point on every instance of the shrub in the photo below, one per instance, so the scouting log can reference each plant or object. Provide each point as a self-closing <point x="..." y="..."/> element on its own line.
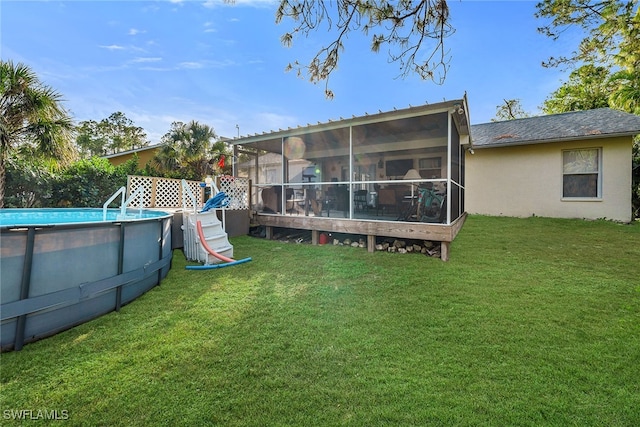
<point x="88" y="183"/>
<point x="28" y="184"/>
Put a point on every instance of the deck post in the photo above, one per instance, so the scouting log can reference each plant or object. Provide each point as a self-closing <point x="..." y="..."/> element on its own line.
<point x="371" y="243"/>
<point x="314" y="237"/>
<point x="268" y="232"/>
<point x="444" y="251"/>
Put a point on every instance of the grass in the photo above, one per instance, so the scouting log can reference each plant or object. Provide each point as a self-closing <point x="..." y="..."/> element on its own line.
<point x="532" y="322"/>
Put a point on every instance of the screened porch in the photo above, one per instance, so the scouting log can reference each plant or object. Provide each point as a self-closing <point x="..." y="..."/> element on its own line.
<point x="396" y="174"/>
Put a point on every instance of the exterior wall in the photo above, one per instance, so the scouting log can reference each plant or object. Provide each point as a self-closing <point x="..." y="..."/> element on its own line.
<point x="144" y="156"/>
<point x="526" y="180"/>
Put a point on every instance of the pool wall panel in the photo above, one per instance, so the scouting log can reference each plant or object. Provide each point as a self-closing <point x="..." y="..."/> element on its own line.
<point x="75" y="273"/>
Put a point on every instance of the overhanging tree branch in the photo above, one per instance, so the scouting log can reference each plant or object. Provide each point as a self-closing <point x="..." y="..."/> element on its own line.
<point x="404" y="26"/>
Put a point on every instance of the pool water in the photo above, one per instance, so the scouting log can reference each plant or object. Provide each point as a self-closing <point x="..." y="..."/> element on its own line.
<point x="24" y="217"/>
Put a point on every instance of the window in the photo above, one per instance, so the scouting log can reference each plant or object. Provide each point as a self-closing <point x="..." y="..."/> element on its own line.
<point x="430" y="167"/>
<point x="581" y="173"/>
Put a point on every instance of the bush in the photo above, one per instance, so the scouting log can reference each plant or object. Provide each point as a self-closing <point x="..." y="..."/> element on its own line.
<point x="88" y="183"/>
<point x="28" y="184"/>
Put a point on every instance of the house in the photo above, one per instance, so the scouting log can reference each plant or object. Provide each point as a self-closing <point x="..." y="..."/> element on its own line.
<point x="398" y="174"/>
<point x="145" y="155"/>
<point x="570" y="165"/>
<point x="414" y="173"/>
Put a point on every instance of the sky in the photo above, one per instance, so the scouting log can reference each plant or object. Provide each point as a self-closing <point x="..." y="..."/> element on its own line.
<point x="223" y="65"/>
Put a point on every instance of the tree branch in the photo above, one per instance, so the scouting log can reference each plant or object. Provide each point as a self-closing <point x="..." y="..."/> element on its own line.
<point x="405" y="27"/>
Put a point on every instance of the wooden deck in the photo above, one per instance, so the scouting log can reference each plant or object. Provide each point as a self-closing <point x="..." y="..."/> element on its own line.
<point x="445" y="234"/>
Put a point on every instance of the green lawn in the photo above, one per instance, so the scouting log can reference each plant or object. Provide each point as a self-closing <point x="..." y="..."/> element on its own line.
<point x="532" y="322"/>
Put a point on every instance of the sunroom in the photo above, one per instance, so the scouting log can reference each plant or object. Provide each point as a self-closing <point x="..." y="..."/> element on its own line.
<point x="397" y="174"/>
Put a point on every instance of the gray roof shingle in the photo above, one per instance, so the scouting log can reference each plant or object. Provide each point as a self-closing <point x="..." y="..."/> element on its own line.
<point x="598" y="123"/>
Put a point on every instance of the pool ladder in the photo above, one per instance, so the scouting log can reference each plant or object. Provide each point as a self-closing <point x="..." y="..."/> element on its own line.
<point x="122" y="191"/>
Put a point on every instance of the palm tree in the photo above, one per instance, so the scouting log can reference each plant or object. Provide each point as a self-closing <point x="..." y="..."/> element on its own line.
<point x="32" y="120"/>
<point x="188" y="150"/>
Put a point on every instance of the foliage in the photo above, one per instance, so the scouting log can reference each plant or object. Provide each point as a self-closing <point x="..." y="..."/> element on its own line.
<point x="89" y="140"/>
<point x="527" y="324"/>
<point x="612" y="41"/>
<point x="609" y="25"/>
<point x="131" y="167"/>
<point x="88" y="183"/>
<point x="626" y="95"/>
<point x="111" y="135"/>
<point x="29" y="183"/>
<point x="627" y="77"/>
<point x="190" y="151"/>
<point x="403" y="26"/>
<point x="150" y="169"/>
<point x="32" y="119"/>
<point x="85" y="183"/>
<point x="510" y="110"/>
<point x="588" y="87"/>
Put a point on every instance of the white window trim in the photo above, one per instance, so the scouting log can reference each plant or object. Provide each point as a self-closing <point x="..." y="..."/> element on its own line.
<point x="598" y="198"/>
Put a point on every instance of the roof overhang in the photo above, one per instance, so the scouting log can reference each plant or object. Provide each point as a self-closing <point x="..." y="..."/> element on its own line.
<point x="270" y="141"/>
<point x="512" y="143"/>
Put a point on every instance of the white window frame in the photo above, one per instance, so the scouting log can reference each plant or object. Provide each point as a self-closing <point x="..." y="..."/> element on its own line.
<point x="598" y="196"/>
<point x="427" y="165"/>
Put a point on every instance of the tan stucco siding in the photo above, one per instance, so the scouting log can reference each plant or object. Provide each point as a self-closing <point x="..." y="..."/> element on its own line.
<point x="526" y="180"/>
<point x="144" y="157"/>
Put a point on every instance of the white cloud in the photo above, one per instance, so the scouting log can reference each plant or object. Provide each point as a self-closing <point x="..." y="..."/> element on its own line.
<point x="273" y="121"/>
<point x="208" y="28"/>
<point x="113" y="47"/>
<point x="254" y="3"/>
<point x="139" y="60"/>
<point x="190" y="65"/>
<point x="119" y="47"/>
<point x="194" y="65"/>
<point x="221" y="64"/>
<point x="211" y="3"/>
<point x="135" y="31"/>
<point x="162" y="69"/>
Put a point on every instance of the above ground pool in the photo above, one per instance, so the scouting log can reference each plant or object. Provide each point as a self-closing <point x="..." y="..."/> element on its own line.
<point x="63" y="267"/>
<point x="44" y="217"/>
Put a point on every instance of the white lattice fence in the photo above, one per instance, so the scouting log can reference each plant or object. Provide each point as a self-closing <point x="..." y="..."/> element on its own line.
<point x="162" y="192"/>
<point x="167" y="192"/>
<point x="135" y="182"/>
<point x="237" y="189"/>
